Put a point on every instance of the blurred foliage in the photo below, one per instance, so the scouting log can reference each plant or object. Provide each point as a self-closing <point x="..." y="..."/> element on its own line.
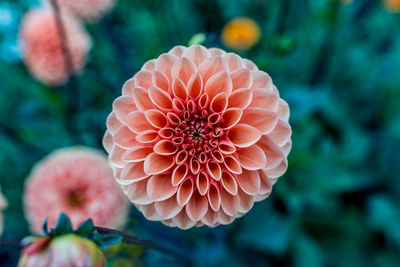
<point x="336" y="64"/>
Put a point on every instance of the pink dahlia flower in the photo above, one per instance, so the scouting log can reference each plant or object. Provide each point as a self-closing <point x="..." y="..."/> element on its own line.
<point x="42" y="47"/>
<point x="90" y="10"/>
<point x="197" y="137"/>
<point x="3" y="205"/>
<point x="78" y="182"/>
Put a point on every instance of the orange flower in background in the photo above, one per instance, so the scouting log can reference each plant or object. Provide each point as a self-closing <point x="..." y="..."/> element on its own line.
<point x="3" y="205"/>
<point x="392" y="5"/>
<point x="42" y="49"/>
<point x="197" y="137"/>
<point x="241" y="33"/>
<point x="90" y="10"/>
<point x="77" y="181"/>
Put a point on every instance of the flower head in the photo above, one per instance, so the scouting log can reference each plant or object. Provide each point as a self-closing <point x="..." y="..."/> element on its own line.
<point x="42" y="48"/>
<point x="392" y="5"/>
<point x="90" y="10"/>
<point x="77" y="181"/>
<point x="3" y="205"/>
<point x="240" y="33"/>
<point x="65" y="250"/>
<point x="197" y="136"/>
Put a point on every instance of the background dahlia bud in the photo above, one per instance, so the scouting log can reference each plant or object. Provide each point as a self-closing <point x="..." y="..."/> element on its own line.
<point x="3" y="205"/>
<point x="65" y="250"/>
<point x="241" y="33"/>
<point x="90" y="10"/>
<point x="42" y="48"/>
<point x="77" y="181"/>
<point x="198" y="136"/>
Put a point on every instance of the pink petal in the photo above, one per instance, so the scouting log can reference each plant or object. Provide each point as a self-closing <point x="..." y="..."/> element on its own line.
<point x="249" y="64"/>
<point x="159" y="187"/>
<point x="232" y="164"/>
<point x="185" y="192"/>
<point x="164" y="64"/>
<point x="179" y="89"/>
<point x="231" y="117"/>
<point x="252" y="158"/>
<point x="283" y="110"/>
<point x="281" y="133"/>
<point x="197" y="206"/>
<point x="230" y="203"/>
<point x="243" y="135"/>
<point x="149" y="65"/>
<point x="241" y="78"/>
<point x="160" y="98"/>
<point x="219" y="102"/>
<point x="125" y="138"/>
<point x="149" y="211"/>
<point x="177" y="50"/>
<point x="108" y="141"/>
<point x="128" y="87"/>
<point x="156" y="118"/>
<point x="218" y="83"/>
<point x="166" y="132"/>
<point x="173" y="119"/>
<point x="214" y="170"/>
<point x="165" y="147"/>
<point x="137" y="153"/>
<point x="277" y="171"/>
<point x="141" y="99"/>
<point x="266" y="185"/>
<point x="203" y="101"/>
<point x="286" y="148"/>
<point x="272" y="151"/>
<point x="122" y="106"/>
<point x="234" y="61"/>
<point x="194" y="166"/>
<point x="113" y="124"/>
<point x="183" y="69"/>
<point x="178" y="106"/>
<point x="216" y="52"/>
<point x="246" y="201"/>
<point x="240" y="98"/>
<point x="181" y="157"/>
<point x="212" y="65"/>
<point x="133" y="172"/>
<point x="249" y="182"/>
<point x="137" y="193"/>
<point x="167" y="208"/>
<point x="214" y="197"/>
<point x="155" y="164"/>
<point x="261" y="79"/>
<point x="196" y="53"/>
<point x="229" y="183"/>
<point x="262" y="119"/>
<point x="147" y="137"/>
<point x="116" y="157"/>
<point x="143" y="79"/>
<point x="265" y="99"/>
<point x="161" y="81"/>
<point x="195" y="86"/>
<point x="136" y="121"/>
<point x="179" y="174"/>
<point x="226" y="146"/>
<point x="202" y="183"/>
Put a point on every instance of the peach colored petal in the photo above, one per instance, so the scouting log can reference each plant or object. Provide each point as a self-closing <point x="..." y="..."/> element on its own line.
<point x="249" y="182"/>
<point x="216" y="52"/>
<point x="211" y="66"/>
<point x="133" y="172"/>
<point x="136" y="122"/>
<point x="108" y="142"/>
<point x="159" y="187"/>
<point x="249" y="64"/>
<point x="229" y="203"/>
<point x="149" y="65"/>
<point x="231" y="117"/>
<point x="128" y="87"/>
<point x="177" y="50"/>
<point x="243" y="135"/>
<point x="196" y="53"/>
<point x="202" y="182"/>
<point x="241" y="78"/>
<point x="265" y="99"/>
<point x="283" y="110"/>
<point x="179" y="89"/>
<point x="167" y="208"/>
<point x="113" y="124"/>
<point x="122" y="106"/>
<point x="179" y="174"/>
<point x="194" y="166"/>
<point x="185" y="192"/>
<point x="281" y="133"/>
<point x="263" y="120"/>
<point x="214" y="197"/>
<point x="197" y="207"/>
<point x="219" y="102"/>
<point x="165" y="147"/>
<point x="229" y="183"/>
<point x="195" y="86"/>
<point x="286" y="148"/>
<point x="240" y="98"/>
<point x="278" y="170"/>
<point x="183" y="69"/>
<point x="141" y="99"/>
<point x="156" y="164"/>
<point x="164" y="64"/>
<point x="143" y="79"/>
<point x="272" y="151"/>
<point x="246" y="201"/>
<point x="218" y="83"/>
<point x="226" y="146"/>
<point x="214" y="170"/>
<point x="252" y="158"/>
<point x="156" y="118"/>
<point x="161" y="81"/>
<point x="234" y="61"/>
<point x="149" y="211"/>
<point x="115" y="157"/>
<point x="137" y="193"/>
<point x="232" y="164"/>
<point x="160" y="98"/>
<point x="148" y="136"/>
<point x="136" y="153"/>
<point x="125" y="138"/>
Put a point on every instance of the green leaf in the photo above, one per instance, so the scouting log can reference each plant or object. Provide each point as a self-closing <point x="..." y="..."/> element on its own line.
<point x="45" y="227"/>
<point x="63" y="226"/>
<point x="198" y="38"/>
<point x="85" y="229"/>
<point x="108" y="240"/>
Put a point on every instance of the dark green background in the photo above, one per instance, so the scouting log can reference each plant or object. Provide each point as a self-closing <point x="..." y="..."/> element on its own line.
<point x="336" y="65"/>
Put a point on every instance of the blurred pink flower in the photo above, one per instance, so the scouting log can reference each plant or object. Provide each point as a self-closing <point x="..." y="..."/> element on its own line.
<point x="62" y="251"/>
<point x="3" y="205"/>
<point x="78" y="182"/>
<point x="197" y="137"/>
<point x="90" y="10"/>
<point x="42" y="47"/>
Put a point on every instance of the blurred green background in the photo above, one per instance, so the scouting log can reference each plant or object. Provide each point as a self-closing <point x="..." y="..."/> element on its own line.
<point x="336" y="64"/>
